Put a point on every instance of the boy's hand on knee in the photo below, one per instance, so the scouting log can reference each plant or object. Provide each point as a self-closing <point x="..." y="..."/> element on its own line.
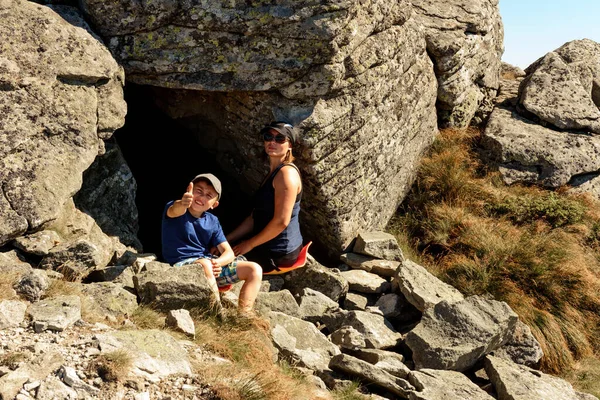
<point x="188" y="196"/>
<point x="216" y="268"/>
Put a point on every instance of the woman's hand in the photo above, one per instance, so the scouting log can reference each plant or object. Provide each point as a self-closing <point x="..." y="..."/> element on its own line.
<point x="242" y="247"/>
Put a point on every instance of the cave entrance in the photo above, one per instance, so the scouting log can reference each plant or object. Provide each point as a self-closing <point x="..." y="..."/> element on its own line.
<point x="163" y="157"/>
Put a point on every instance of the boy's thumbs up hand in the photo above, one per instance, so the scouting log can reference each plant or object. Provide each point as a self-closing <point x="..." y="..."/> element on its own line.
<point x="188" y="196"/>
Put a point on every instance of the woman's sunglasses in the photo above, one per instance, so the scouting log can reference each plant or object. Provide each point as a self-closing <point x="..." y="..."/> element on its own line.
<point x="279" y="138"/>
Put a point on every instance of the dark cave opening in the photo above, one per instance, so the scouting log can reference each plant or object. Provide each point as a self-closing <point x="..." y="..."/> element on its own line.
<point x="163" y="157"/>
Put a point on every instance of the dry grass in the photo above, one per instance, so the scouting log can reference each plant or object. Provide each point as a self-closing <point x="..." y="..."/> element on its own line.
<point x="252" y="375"/>
<point x="145" y="317"/>
<point x="537" y="250"/>
<point x="585" y="376"/>
<point x="113" y="366"/>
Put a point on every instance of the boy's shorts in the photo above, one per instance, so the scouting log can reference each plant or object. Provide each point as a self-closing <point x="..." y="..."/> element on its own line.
<point x="228" y="273"/>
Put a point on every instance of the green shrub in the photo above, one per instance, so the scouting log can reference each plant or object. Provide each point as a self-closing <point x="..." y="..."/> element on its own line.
<point x="556" y="210"/>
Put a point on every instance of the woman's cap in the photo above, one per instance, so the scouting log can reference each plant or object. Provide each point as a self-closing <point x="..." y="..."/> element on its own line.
<point x="213" y="180"/>
<point x="282" y="127"/>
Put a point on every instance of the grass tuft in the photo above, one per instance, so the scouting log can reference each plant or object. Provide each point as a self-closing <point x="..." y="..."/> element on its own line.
<point x="537" y="250"/>
<point x="113" y="366"/>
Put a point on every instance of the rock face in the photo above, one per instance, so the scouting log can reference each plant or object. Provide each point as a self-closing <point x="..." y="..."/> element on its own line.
<point x="563" y="87"/>
<point x="343" y="72"/>
<point x="465" y="40"/>
<point x="61" y="94"/>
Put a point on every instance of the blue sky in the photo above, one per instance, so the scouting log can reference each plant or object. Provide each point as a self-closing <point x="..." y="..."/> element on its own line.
<point x="534" y="27"/>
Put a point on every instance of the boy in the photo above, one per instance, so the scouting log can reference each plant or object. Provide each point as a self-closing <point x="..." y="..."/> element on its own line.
<point x="189" y="231"/>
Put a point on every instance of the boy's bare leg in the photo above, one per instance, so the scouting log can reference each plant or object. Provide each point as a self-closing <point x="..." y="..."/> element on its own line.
<point x="208" y="271"/>
<point x="251" y="274"/>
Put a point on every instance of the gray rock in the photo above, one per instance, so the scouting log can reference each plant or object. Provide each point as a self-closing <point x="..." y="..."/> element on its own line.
<point x="12" y="313"/>
<point x="70" y="378"/>
<point x="342" y="72"/>
<point x="38" y="368"/>
<point x="526" y="152"/>
<point x="365" y="282"/>
<point x="38" y="243"/>
<point x="388" y="361"/>
<point x="522" y="347"/>
<point x="378" y="332"/>
<point x="317" y="277"/>
<point x="106" y="299"/>
<point x="356" y="301"/>
<point x="33" y="285"/>
<point x="272" y="283"/>
<point x="391" y="305"/>
<point x="55" y="314"/>
<point x="83" y="247"/>
<point x="155" y="353"/>
<point x="182" y="321"/>
<point x="300" y="342"/>
<point x="313" y="305"/>
<point x="377" y="266"/>
<point x="422" y="289"/>
<point x="172" y="288"/>
<point x="559" y="90"/>
<point x="432" y="384"/>
<point x="63" y="93"/>
<point x="108" y="195"/>
<point x="517" y="382"/>
<point x="10" y="263"/>
<point x="368" y="372"/>
<point x="455" y="336"/>
<point x="53" y="388"/>
<point x="509" y="71"/>
<point x="348" y="338"/>
<point x="281" y="301"/>
<point x="120" y="274"/>
<point x="465" y="41"/>
<point x="380" y="245"/>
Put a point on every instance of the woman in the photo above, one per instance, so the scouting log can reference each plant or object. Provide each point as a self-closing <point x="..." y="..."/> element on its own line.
<point x="275" y="239"/>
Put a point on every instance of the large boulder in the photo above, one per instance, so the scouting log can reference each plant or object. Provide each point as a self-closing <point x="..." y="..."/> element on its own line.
<point x="108" y="195"/>
<point x="455" y="336"/>
<point x="531" y="153"/>
<point x="563" y="87"/>
<point x="517" y="382"/>
<point x="61" y="95"/>
<point x="353" y="77"/>
<point x="433" y="384"/>
<point x="465" y="41"/>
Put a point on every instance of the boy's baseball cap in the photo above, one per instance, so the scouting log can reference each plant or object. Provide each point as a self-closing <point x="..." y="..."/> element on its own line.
<point x="282" y="127"/>
<point x="213" y="180"/>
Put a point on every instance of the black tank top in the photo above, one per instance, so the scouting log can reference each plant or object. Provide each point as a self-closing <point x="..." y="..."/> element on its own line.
<point x="264" y="209"/>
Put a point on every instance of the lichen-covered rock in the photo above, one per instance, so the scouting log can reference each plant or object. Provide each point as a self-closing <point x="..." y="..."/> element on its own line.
<point x="61" y="94"/>
<point x="108" y="195"/>
<point x="465" y="40"/>
<point x="55" y="313"/>
<point x="563" y="87"/>
<point x="531" y="153"/>
<point x="353" y="77"/>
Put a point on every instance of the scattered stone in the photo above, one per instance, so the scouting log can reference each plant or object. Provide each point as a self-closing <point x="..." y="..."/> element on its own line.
<point x="365" y="282"/>
<point x="368" y="372"/>
<point x="422" y="289"/>
<point x="455" y="336"/>
<point x="12" y="313"/>
<point x="70" y="378"/>
<point x="55" y="314"/>
<point x="391" y="305"/>
<point x="378" y="332"/>
<point x="281" y="301"/>
<point x="33" y="285"/>
<point x="357" y="301"/>
<point x="313" y="305"/>
<point x="38" y="243"/>
<point x="377" y="266"/>
<point x="522" y="347"/>
<point x="518" y="382"/>
<point x="317" y="277"/>
<point x="432" y="384"/>
<point x="379" y="245"/>
<point x="348" y="338"/>
<point x="36" y="369"/>
<point x="300" y="342"/>
<point x="388" y="361"/>
<point x="182" y="321"/>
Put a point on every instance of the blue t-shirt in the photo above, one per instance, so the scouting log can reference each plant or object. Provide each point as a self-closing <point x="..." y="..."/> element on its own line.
<point x="187" y="236"/>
